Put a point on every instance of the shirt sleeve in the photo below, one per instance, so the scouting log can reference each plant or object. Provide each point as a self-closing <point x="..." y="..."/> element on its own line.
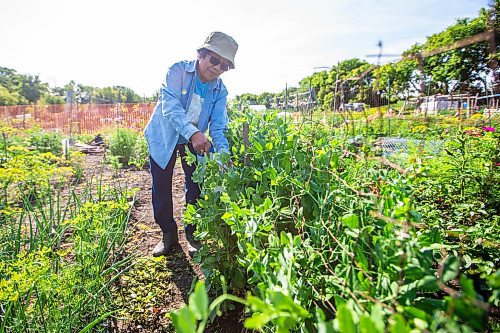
<point x="218" y="124"/>
<point x="171" y="106"/>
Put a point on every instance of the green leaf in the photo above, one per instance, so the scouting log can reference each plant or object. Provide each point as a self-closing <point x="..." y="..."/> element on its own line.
<point x="226" y="216"/>
<point x="285" y="239"/>
<point x="451" y="268"/>
<point x="467" y="309"/>
<point x="287" y="165"/>
<point x="429" y="305"/>
<point x="286" y="303"/>
<point x="377" y="317"/>
<point x="184" y="321"/>
<point x="297" y="241"/>
<point x="322" y="325"/>
<point x="468" y="287"/>
<point x="428" y="283"/>
<point x="415" y="312"/>
<point x="339" y="301"/>
<point x="198" y="301"/>
<point x="325" y="327"/>
<point x="346" y="323"/>
<point x="257" y="320"/>
<point x="89" y="326"/>
<point x="397" y="324"/>
<point x="256" y="304"/>
<point x="225" y="198"/>
<point x="420" y="324"/>
<point x="267" y="204"/>
<point x="361" y="258"/>
<point x="350" y="220"/>
<point x="366" y="325"/>
<point x="258" y="146"/>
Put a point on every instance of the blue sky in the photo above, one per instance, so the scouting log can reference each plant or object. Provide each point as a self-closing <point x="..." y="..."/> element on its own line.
<point x="132" y="43"/>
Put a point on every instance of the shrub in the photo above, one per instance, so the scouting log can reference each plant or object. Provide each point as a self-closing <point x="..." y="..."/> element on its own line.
<point x="141" y="153"/>
<point x="45" y="141"/>
<point x="122" y="143"/>
<point x="77" y="163"/>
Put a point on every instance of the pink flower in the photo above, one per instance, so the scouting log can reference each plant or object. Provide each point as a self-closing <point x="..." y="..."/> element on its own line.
<point x="489" y="129"/>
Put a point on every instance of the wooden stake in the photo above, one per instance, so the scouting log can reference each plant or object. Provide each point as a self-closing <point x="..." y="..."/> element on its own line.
<point x="246" y="143"/>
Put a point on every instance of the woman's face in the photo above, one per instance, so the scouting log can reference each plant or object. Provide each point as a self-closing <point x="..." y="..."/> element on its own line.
<point x="206" y="68"/>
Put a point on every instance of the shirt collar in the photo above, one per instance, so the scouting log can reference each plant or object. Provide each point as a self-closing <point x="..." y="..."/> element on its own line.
<point x="191" y="67"/>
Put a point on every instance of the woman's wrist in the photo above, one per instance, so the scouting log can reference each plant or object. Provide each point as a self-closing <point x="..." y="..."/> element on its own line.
<point x="190" y="140"/>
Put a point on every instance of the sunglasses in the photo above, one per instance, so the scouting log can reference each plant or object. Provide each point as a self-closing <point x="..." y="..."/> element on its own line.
<point x="216" y="61"/>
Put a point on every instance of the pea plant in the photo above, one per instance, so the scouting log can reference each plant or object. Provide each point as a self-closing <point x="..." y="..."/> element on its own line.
<point x="313" y="233"/>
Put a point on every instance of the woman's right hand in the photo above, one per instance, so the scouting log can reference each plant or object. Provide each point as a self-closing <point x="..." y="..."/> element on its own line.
<point x="201" y="144"/>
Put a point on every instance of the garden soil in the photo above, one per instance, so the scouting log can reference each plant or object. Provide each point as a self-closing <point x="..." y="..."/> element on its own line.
<point x="179" y="270"/>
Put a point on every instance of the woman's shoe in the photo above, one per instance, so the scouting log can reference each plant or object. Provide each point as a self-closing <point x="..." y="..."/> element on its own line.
<point x="165" y="244"/>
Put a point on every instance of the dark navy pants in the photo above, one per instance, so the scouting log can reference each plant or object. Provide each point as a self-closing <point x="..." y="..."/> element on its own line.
<point x="162" y="190"/>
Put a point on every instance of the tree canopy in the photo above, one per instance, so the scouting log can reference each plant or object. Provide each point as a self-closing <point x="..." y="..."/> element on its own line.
<point x="20" y="89"/>
<point x="447" y="69"/>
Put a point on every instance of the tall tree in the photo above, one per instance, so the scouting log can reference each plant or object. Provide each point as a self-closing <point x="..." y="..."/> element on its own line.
<point x="461" y="68"/>
<point x="9" y="97"/>
<point x="397" y="77"/>
<point x="10" y="87"/>
<point x="32" y="88"/>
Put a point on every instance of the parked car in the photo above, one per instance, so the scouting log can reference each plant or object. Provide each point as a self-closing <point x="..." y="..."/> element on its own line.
<point x="358" y="107"/>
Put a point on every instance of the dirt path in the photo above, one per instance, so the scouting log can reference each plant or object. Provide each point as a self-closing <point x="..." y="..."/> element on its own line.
<point x="179" y="269"/>
<point x="147" y="234"/>
<point x="173" y="276"/>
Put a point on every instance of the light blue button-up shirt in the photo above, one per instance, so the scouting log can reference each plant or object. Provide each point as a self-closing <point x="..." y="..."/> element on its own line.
<point x="169" y="119"/>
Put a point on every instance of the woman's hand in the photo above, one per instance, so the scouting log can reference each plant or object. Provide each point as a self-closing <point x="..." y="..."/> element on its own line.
<point x="201" y="145"/>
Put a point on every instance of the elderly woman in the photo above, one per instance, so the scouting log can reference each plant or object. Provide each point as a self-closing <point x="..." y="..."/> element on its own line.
<point x="192" y="100"/>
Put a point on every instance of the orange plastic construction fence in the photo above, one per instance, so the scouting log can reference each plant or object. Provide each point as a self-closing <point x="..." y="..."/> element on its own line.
<point x="78" y="118"/>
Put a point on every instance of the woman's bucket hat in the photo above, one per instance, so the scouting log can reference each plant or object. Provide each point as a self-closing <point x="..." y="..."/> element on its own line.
<point x="222" y="44"/>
